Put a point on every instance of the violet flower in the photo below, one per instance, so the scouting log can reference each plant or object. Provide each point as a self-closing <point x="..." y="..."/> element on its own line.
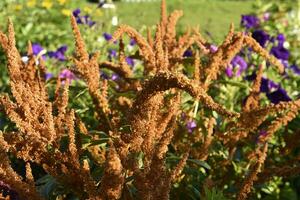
<point x="115" y="77"/>
<point x="78" y="20"/>
<point x="191" y="125"/>
<point x="213" y="48"/>
<point x="249" y="21"/>
<point x="107" y="36"/>
<point x="48" y="75"/>
<point x="238" y="64"/>
<point x="266" y="16"/>
<point x="281" y="39"/>
<point x="130" y="61"/>
<point x="112" y="54"/>
<point x="229" y="71"/>
<point x="59" y="54"/>
<point x="188" y="53"/>
<point x="86" y="19"/>
<point x="267" y="85"/>
<point x="275" y="93"/>
<point x="278" y="95"/>
<point x="36" y="48"/>
<point x="76" y="12"/>
<point x="280" y="52"/>
<point x="295" y="69"/>
<point x="132" y="42"/>
<point x="261" y="37"/>
<point x="67" y="75"/>
<point x="104" y="76"/>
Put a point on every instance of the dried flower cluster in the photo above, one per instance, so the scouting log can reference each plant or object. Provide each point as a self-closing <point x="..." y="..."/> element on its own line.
<point x="135" y="158"/>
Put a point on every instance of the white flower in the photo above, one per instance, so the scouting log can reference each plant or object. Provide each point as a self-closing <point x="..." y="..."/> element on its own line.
<point x="286" y="44"/>
<point x="108" y="6"/>
<point x="114" y="21"/>
<point x="130" y="48"/>
<point x="25" y="59"/>
<point x="101" y="40"/>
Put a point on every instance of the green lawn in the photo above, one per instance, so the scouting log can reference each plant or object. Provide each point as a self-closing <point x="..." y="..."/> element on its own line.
<point x="213" y="16"/>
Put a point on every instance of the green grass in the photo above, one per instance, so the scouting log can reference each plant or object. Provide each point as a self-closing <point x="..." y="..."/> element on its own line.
<point x="49" y="26"/>
<point x="213" y="16"/>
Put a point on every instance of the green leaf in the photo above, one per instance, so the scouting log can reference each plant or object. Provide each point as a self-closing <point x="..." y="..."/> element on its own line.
<point x="200" y="163"/>
<point x="213" y="194"/>
<point x="99" y="142"/>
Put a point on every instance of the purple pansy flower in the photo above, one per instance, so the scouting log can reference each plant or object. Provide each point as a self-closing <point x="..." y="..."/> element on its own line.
<point x="48" y="75"/>
<point x="114" y="77"/>
<point x="213" y="48"/>
<point x="280" y="52"/>
<point x="229" y="71"/>
<point x="59" y="54"/>
<point x="274" y="91"/>
<point x="261" y="37"/>
<point x="107" y="36"/>
<point x="237" y="63"/>
<point x="112" y="54"/>
<point x="91" y="23"/>
<point x="278" y="95"/>
<point x="280" y="39"/>
<point x="295" y="69"/>
<point x="132" y="42"/>
<point x="83" y="19"/>
<point x="285" y="63"/>
<point x="76" y="12"/>
<point x="188" y="53"/>
<point x="130" y="61"/>
<point x="67" y="75"/>
<point x="266" y="16"/>
<point x="267" y="85"/>
<point x="251" y="77"/>
<point x="191" y="125"/>
<point x="79" y="21"/>
<point x="104" y="75"/>
<point x="88" y="21"/>
<point x="36" y="48"/>
<point x="86" y="18"/>
<point x="63" y="48"/>
<point x="249" y="21"/>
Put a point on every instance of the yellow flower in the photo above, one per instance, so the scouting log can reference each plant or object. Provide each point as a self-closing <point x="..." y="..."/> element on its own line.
<point x="18" y="7"/>
<point x="47" y="4"/>
<point x="87" y="10"/>
<point x="31" y="3"/>
<point x="66" y="12"/>
<point x="98" y="13"/>
<point x="62" y="2"/>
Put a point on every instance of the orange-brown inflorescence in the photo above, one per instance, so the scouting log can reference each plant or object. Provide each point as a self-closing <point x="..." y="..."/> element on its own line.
<point x="136" y="157"/>
<point x="248" y="182"/>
